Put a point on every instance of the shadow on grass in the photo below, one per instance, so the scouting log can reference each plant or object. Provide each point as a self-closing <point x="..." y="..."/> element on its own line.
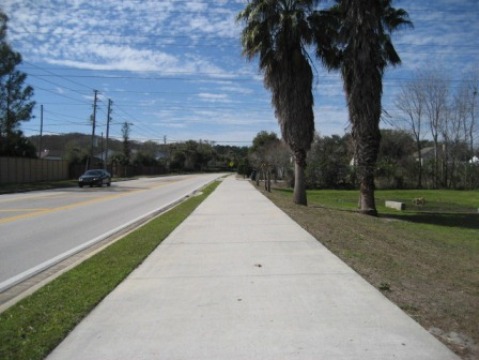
<point x="445" y="216"/>
<point x="469" y="221"/>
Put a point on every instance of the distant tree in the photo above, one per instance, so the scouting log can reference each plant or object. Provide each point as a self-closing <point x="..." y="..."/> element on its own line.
<point x="143" y="158"/>
<point x="395" y="153"/>
<point x="262" y="140"/>
<point x="466" y="106"/>
<point x="436" y="92"/>
<point x="15" y="104"/>
<point x="178" y="158"/>
<point x="280" y="157"/>
<point x="193" y="158"/>
<point x="147" y="154"/>
<point x="412" y="103"/>
<point x="329" y="160"/>
<point x="125" y="132"/>
<point x="466" y="103"/>
<point x="244" y="167"/>
<point x="261" y="155"/>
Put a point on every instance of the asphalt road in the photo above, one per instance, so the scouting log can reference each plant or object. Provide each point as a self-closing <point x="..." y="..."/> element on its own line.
<point x="38" y="229"/>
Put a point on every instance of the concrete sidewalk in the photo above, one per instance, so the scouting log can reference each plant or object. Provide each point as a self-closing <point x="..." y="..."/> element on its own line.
<point x="240" y="280"/>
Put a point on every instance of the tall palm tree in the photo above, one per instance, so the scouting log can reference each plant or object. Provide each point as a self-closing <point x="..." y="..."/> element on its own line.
<point x="362" y="50"/>
<point x="278" y="31"/>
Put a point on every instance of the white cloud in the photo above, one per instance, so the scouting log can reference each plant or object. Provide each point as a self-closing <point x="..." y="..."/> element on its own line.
<point x="208" y="97"/>
<point x="179" y="67"/>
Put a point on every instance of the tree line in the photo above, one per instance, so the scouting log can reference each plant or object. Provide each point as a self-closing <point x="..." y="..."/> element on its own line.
<point x="331" y="163"/>
<point x="179" y="157"/>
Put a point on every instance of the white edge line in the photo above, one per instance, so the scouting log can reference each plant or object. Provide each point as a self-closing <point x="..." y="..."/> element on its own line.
<point x="53" y="261"/>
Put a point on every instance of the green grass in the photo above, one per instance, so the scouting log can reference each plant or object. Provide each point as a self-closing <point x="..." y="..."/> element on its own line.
<point x="436" y="200"/>
<point x="32" y="328"/>
<point x="445" y="208"/>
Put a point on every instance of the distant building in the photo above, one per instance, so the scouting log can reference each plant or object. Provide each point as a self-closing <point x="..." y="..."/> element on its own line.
<point x="51" y="155"/>
<point x="427" y="154"/>
<point x="102" y="155"/>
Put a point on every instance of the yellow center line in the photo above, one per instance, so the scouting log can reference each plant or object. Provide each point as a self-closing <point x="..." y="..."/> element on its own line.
<point x="23" y="210"/>
<point x="30" y="197"/>
<point x="30" y="213"/>
<point x="38" y="212"/>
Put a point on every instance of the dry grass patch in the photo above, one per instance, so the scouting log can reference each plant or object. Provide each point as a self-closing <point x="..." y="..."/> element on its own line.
<point x="428" y="264"/>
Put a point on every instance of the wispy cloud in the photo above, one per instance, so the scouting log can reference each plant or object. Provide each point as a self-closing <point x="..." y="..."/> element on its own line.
<point x="120" y="36"/>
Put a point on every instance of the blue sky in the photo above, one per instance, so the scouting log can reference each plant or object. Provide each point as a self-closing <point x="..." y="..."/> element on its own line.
<point x="173" y="68"/>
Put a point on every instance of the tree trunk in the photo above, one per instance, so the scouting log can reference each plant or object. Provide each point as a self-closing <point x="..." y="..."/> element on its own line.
<point x="268" y="188"/>
<point x="265" y="178"/>
<point x="419" y="159"/>
<point x="367" y="204"/>
<point x="367" y="139"/>
<point x="436" y="162"/>
<point x="299" y="194"/>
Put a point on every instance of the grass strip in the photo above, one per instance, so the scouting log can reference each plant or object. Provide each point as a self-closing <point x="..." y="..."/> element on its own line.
<point x="32" y="328"/>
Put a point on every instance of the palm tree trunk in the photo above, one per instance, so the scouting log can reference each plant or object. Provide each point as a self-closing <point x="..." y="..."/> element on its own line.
<point x="363" y="86"/>
<point x="367" y="203"/>
<point x="299" y="194"/>
<point x="367" y="137"/>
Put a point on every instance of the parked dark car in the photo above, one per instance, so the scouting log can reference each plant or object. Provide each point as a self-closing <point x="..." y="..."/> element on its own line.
<point x="95" y="177"/>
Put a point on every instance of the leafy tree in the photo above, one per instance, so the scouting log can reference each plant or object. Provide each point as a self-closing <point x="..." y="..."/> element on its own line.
<point x="262" y="140"/>
<point x="279" y="32"/>
<point x="329" y="160"/>
<point x="244" y="167"/>
<point x="144" y="159"/>
<point x="268" y="155"/>
<point x="125" y="132"/>
<point x="15" y="104"/>
<point x="258" y="155"/>
<point x="362" y="49"/>
<point x="394" y="156"/>
<point x="148" y="153"/>
<point x="177" y="160"/>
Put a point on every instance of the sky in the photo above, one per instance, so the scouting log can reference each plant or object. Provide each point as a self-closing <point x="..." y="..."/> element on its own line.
<point x="174" y="71"/>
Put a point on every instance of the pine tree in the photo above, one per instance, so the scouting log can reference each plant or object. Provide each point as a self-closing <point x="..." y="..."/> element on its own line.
<point x="15" y="104"/>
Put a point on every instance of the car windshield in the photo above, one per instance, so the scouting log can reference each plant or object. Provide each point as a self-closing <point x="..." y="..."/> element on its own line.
<point x="93" y="172"/>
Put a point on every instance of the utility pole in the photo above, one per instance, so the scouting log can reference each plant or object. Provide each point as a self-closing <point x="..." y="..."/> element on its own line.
<point x="108" y="119"/>
<point x="93" y="128"/>
<point x="40" y="146"/>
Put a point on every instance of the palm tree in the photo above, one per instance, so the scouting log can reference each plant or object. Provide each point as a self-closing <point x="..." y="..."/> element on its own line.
<point x="362" y="49"/>
<point x="278" y="31"/>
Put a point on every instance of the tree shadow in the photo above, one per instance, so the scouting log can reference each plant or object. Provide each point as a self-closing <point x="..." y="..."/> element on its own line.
<point x="459" y="220"/>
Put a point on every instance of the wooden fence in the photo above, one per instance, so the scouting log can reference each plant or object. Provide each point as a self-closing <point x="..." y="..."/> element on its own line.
<point x="25" y="170"/>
